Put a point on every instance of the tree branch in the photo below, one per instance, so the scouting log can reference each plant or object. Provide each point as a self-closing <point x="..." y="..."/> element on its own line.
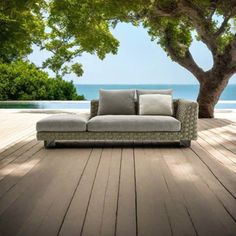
<point x="187" y="61"/>
<point x="223" y="25"/>
<point x="201" y="23"/>
<point x="211" y="15"/>
<point x="213" y="8"/>
<point x="225" y="63"/>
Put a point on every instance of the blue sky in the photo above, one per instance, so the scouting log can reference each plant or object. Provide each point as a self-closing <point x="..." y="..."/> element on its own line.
<point x="139" y="61"/>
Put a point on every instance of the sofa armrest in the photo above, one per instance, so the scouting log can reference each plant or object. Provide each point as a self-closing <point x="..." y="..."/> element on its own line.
<point x="94" y="108"/>
<point x="187" y="114"/>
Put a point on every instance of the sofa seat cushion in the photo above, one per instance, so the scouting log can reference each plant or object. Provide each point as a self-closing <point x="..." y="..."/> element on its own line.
<point x="62" y="123"/>
<point x="133" y="123"/>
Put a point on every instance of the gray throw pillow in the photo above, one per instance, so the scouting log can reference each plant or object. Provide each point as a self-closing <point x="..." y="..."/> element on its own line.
<point x="116" y="102"/>
<point x="155" y="104"/>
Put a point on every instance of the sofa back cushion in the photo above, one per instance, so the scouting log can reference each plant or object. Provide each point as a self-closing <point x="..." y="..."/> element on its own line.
<point x="116" y="102"/>
<point x="155" y="104"/>
<point x="147" y="91"/>
<point x="95" y="103"/>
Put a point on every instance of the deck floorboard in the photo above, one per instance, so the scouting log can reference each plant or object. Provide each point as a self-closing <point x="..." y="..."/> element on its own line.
<point x="122" y="191"/>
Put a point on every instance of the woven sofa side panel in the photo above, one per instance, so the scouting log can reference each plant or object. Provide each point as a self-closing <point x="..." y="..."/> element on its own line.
<point x="129" y="136"/>
<point x="95" y="103"/>
<point x="187" y="114"/>
<point x="94" y="108"/>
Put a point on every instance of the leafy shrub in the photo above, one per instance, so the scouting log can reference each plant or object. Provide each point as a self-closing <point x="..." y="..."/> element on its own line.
<point x="24" y="81"/>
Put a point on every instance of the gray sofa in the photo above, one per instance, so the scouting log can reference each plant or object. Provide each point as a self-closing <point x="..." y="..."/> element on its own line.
<point x="181" y="126"/>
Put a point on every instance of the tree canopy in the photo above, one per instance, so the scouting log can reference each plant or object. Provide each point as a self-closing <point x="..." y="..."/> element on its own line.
<point x="170" y="22"/>
<point x="21" y="25"/>
<point x="67" y="28"/>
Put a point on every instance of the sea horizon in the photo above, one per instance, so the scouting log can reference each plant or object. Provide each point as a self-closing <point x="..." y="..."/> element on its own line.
<point x="186" y="91"/>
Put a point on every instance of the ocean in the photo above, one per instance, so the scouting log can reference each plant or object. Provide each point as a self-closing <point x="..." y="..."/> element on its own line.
<point x="187" y="91"/>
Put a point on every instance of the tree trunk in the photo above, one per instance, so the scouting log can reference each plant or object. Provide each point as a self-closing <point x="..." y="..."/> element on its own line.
<point x="209" y="94"/>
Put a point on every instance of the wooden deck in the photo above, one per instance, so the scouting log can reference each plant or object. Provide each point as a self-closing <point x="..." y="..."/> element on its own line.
<point x="117" y="191"/>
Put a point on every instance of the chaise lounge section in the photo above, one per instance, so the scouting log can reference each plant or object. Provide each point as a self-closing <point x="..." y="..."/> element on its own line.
<point x="181" y="126"/>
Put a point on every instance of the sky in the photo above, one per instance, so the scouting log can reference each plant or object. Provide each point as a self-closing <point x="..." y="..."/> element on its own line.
<point x="139" y="61"/>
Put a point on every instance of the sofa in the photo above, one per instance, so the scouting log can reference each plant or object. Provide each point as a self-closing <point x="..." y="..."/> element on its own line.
<point x="120" y="125"/>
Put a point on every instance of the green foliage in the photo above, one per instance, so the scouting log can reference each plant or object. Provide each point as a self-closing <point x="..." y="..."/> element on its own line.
<point x="24" y="81"/>
<point x="171" y="33"/>
<point x="21" y="25"/>
<point x="76" y="27"/>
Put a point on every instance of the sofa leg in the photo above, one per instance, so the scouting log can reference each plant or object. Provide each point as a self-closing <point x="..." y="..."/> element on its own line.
<point x="185" y="143"/>
<point x="49" y="143"/>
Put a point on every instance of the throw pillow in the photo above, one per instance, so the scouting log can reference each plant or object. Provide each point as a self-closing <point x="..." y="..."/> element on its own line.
<point x="116" y="102"/>
<point x="155" y="104"/>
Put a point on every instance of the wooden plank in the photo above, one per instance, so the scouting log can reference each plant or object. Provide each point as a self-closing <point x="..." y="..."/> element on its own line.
<point x="223" y="131"/>
<point x="19" y="161"/>
<point x="47" y="215"/>
<point x="151" y="194"/>
<point x="41" y="168"/>
<point x="18" y="203"/>
<point x="19" y="157"/>
<point x="8" y="142"/>
<point x="179" y="216"/>
<point x="75" y="215"/>
<point x="111" y="198"/>
<point x="15" y="130"/>
<point x="196" y="200"/>
<point x="227" y="207"/>
<point x="19" y="128"/>
<point x="100" y="207"/>
<point x="40" y="195"/>
<point x="126" y="214"/>
<point x="225" y="122"/>
<point x="216" y="154"/>
<point x="93" y="217"/>
<point x="215" y="139"/>
<point x="16" y="145"/>
<point x="221" y="135"/>
<point x="222" y="173"/>
<point x="228" y="125"/>
<point x="16" y="175"/>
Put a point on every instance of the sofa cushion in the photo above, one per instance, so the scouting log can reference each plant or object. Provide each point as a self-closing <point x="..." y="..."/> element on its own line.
<point x="116" y="102"/>
<point x="133" y="123"/>
<point x="62" y="123"/>
<point x="155" y="104"/>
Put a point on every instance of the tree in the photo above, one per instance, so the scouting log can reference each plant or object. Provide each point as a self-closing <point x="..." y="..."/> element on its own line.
<point x="84" y="25"/>
<point x="22" y="80"/>
<point x="21" y="24"/>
